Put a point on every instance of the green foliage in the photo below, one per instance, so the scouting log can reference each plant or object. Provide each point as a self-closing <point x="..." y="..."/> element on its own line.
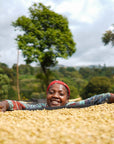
<point x="9" y="72"/>
<point x="32" y="81"/>
<point x="8" y="76"/>
<point x="112" y="88"/>
<point x="70" y="69"/>
<point x="4" y="86"/>
<point x="12" y="93"/>
<point x="87" y="73"/>
<point x="73" y="78"/>
<point x="74" y="92"/>
<point x="26" y="69"/>
<point x="43" y="79"/>
<point x="46" y="37"/>
<point x="3" y="65"/>
<point x="108" y="37"/>
<point x="96" y="85"/>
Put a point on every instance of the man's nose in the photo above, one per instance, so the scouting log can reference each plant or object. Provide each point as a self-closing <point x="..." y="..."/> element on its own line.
<point x="56" y="95"/>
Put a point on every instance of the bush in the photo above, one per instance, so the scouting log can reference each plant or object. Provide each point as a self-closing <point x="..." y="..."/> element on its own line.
<point x="4" y="86"/>
<point x="95" y="86"/>
<point x="12" y="93"/>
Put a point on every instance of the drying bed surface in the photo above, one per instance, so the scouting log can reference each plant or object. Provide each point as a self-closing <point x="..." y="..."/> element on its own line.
<point x="92" y="125"/>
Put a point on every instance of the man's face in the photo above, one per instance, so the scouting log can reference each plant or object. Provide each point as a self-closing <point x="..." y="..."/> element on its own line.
<point x="57" y="95"/>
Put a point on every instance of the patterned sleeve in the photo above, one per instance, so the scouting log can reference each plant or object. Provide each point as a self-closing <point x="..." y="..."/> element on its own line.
<point x="94" y="100"/>
<point x="19" y="105"/>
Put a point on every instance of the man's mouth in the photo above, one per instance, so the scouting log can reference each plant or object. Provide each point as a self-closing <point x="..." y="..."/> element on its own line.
<point x="55" y="102"/>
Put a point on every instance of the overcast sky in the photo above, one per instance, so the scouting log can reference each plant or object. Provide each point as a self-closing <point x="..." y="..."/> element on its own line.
<point x="88" y="20"/>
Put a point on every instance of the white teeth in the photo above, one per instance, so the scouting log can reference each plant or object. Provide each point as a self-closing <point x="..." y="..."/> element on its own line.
<point x="54" y="102"/>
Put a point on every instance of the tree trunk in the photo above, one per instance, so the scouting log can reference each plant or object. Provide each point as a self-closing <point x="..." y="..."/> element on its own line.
<point x="45" y="71"/>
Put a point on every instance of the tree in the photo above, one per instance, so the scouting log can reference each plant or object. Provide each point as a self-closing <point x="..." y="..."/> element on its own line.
<point x="108" y="37"/>
<point x="96" y="85"/>
<point x="86" y="72"/>
<point x="43" y="79"/>
<point x="4" y="86"/>
<point x="45" y="37"/>
<point x="26" y="69"/>
<point x="3" y="65"/>
<point x="7" y="71"/>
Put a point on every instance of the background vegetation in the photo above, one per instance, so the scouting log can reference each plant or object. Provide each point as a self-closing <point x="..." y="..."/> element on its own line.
<point x="83" y="82"/>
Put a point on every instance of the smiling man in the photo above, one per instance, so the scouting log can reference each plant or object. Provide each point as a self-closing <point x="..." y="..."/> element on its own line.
<point x="58" y="94"/>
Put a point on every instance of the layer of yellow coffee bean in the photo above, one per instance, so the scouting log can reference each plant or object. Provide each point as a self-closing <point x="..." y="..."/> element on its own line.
<point x="92" y="125"/>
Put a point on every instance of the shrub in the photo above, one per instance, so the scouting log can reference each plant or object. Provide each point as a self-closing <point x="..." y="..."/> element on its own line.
<point x="96" y="85"/>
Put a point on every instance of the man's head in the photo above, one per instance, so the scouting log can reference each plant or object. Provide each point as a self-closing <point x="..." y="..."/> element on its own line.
<point x="57" y="93"/>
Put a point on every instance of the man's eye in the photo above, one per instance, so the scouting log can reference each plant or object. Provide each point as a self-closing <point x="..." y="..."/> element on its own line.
<point x="51" y="92"/>
<point x="62" y="94"/>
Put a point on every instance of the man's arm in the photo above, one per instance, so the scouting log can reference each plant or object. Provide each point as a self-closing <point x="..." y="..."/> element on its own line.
<point x="4" y="106"/>
<point x="94" y="100"/>
<point x="19" y="105"/>
<point x="11" y="105"/>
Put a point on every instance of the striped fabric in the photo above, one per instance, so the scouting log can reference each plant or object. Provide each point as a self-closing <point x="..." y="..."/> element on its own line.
<point x="94" y="100"/>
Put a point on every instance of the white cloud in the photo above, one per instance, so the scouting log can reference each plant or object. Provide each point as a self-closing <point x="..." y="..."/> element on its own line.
<point x="82" y="10"/>
<point x="73" y="7"/>
<point x="111" y="28"/>
<point x="88" y="20"/>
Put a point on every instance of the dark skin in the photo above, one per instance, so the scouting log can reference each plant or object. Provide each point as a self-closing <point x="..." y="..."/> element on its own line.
<point x="57" y="95"/>
<point x="111" y="98"/>
<point x="4" y="106"/>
